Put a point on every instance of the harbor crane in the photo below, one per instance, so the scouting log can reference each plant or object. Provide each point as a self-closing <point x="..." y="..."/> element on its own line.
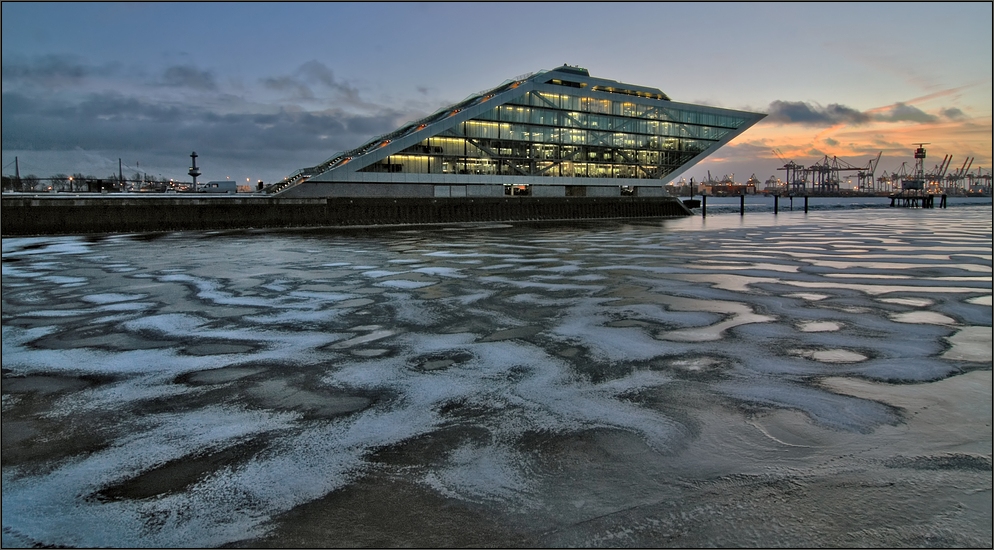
<point x="957" y="179"/>
<point x="796" y="176"/>
<point x="827" y="174"/>
<point x="865" y="177"/>
<point x="939" y="171"/>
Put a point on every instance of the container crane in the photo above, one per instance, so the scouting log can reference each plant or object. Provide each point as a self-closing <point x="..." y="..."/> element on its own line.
<point x="865" y="177"/>
<point x="796" y="178"/>
<point x="933" y="179"/>
<point x="828" y="173"/>
<point x="956" y="180"/>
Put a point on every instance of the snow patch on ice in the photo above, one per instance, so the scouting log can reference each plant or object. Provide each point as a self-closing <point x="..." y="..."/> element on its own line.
<point x="110" y="298"/>
<point x="923" y="317"/>
<point x="405" y="284"/>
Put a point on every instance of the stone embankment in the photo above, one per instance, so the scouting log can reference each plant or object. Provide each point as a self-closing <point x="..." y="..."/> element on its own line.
<point x="69" y="215"/>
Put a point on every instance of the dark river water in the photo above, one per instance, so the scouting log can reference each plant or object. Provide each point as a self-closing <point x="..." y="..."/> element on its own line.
<point x="819" y="379"/>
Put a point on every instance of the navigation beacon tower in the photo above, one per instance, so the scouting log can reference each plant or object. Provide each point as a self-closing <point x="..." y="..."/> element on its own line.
<point x="194" y="171"/>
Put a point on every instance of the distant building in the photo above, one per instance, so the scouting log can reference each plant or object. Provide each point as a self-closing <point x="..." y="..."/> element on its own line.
<point x="556" y="133"/>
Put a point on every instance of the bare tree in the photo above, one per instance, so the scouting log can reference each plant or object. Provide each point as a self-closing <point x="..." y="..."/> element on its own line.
<point x="30" y="182"/>
<point x="59" y="182"/>
<point x="79" y="182"/>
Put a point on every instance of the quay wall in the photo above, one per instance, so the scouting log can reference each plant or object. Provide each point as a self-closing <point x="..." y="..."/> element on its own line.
<point x="44" y="215"/>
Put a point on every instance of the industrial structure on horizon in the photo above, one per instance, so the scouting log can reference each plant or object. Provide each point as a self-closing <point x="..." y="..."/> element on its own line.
<point x="829" y="175"/>
<point x="554" y="133"/>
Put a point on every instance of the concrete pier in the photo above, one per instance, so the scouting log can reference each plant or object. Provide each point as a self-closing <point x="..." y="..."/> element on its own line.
<point x="916" y="200"/>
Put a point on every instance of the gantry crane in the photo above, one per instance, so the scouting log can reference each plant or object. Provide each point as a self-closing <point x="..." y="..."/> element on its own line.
<point x="957" y="180"/>
<point x="934" y="178"/>
<point x="796" y="176"/>
<point x="865" y="177"/>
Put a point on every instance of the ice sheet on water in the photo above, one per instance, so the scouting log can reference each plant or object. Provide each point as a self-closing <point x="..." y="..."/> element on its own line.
<point x="64" y="281"/>
<point x="905" y="369"/>
<point x="833" y="410"/>
<point x="970" y="344"/>
<point x="532" y="284"/>
<point x="483" y="473"/>
<point x="33" y="246"/>
<point x="579" y="318"/>
<point x="169" y="324"/>
<point x="923" y="317"/>
<point x="111" y="297"/>
<point x="58" y="313"/>
<point x="8" y="270"/>
<point x="126" y="306"/>
<point x="441" y="272"/>
<point x="314" y="299"/>
<point x="914" y="302"/>
<point x="586" y="324"/>
<point x="405" y="284"/>
<point x="296" y="317"/>
<point x="380" y="273"/>
<point x="209" y="290"/>
<point x="524" y="388"/>
<point x="60" y="503"/>
<point x="819" y="326"/>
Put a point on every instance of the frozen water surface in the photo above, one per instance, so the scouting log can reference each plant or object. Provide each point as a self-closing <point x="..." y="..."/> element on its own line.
<point x="793" y="380"/>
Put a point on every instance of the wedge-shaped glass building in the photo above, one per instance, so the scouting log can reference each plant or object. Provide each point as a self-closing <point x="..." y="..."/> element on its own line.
<point x="557" y="132"/>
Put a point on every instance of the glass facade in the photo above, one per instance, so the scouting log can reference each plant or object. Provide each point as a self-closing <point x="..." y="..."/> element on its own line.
<point x="564" y="134"/>
<point x="545" y="130"/>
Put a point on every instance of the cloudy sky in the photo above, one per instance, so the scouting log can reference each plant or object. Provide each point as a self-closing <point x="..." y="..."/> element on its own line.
<point x="259" y="90"/>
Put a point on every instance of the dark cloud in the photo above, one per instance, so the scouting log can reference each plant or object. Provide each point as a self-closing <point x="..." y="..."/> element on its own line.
<point x="315" y="75"/>
<point x="277" y="143"/>
<point x="832" y="142"/>
<point x="809" y="114"/>
<point x="317" y="72"/>
<point x="294" y="88"/>
<point x="186" y="76"/>
<point x="953" y="113"/>
<point x="901" y="112"/>
<point x="51" y="70"/>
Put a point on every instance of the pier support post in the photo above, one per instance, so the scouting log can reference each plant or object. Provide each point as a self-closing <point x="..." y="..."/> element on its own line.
<point x="776" y="204"/>
<point x="742" y="205"/>
<point x="704" y="206"/>
<point x="805" y="204"/>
